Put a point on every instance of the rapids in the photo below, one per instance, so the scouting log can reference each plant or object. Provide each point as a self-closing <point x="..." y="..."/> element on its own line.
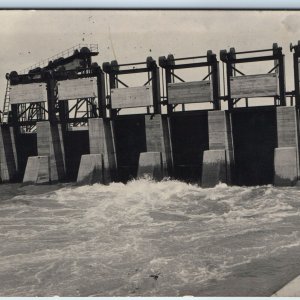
<point x="147" y="238"/>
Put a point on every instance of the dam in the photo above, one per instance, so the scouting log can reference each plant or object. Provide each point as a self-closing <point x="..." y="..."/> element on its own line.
<point x="74" y="120"/>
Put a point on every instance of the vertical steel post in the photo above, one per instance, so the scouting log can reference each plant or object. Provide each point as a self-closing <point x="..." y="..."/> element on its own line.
<point x="296" y="73"/>
<point x="166" y="64"/>
<point x="281" y="80"/>
<point x="277" y="54"/>
<point x="101" y="94"/>
<point x="168" y="80"/>
<point x="214" y="64"/>
<point x="15" y="117"/>
<point x="111" y="69"/>
<point x="63" y="107"/>
<point x="112" y="85"/>
<point x="156" y="89"/>
<point x="154" y="71"/>
<point x="51" y="83"/>
<point x="229" y="73"/>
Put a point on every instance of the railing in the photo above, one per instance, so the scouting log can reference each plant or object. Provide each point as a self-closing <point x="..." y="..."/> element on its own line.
<point x="65" y="53"/>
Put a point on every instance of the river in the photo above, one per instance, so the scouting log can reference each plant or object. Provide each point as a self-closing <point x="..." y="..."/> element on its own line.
<point x="147" y="238"/>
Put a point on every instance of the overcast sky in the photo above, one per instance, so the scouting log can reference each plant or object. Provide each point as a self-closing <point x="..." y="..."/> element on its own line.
<point x="128" y="36"/>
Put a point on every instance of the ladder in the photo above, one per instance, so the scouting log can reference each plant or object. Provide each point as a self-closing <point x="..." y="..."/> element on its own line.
<point x="6" y="105"/>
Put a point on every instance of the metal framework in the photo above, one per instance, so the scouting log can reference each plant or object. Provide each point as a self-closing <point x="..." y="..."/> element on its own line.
<point x="25" y="115"/>
<point x="232" y="58"/>
<point x="84" y="108"/>
<point x="78" y="65"/>
<point x="170" y="64"/>
<point x="114" y="70"/>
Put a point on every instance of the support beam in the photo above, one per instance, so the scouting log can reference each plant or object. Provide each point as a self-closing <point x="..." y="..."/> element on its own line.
<point x="218" y="161"/>
<point x="286" y="158"/>
<point x="8" y="154"/>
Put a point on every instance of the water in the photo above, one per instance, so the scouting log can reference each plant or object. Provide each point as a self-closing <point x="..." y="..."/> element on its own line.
<point x="147" y="238"/>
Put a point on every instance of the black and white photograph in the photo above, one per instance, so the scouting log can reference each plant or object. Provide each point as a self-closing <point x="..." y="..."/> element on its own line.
<point x="149" y="153"/>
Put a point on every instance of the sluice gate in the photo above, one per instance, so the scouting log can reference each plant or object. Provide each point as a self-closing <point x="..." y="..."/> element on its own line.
<point x="195" y="118"/>
<point x="254" y="139"/>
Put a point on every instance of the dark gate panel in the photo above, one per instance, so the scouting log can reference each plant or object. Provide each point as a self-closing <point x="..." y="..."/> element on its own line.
<point x="189" y="135"/>
<point x="76" y="144"/>
<point x="130" y="139"/>
<point x="26" y="144"/>
<point x="255" y="138"/>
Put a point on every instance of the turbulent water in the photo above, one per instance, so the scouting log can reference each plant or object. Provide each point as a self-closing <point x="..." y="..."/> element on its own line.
<point x="147" y="238"/>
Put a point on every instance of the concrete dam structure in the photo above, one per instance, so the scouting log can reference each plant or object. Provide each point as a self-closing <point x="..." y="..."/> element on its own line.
<point x="72" y="120"/>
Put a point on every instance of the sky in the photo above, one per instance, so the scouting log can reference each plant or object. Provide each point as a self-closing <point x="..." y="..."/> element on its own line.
<point x="28" y="36"/>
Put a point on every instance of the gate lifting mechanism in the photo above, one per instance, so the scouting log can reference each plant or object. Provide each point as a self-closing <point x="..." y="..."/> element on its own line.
<point x="85" y="106"/>
<point x="206" y="90"/>
<point x="271" y="84"/>
<point x="147" y="95"/>
<point x="36" y="93"/>
<point x="26" y="113"/>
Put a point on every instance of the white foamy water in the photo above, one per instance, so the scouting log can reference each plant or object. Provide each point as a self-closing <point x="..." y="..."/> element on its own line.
<point x="147" y="238"/>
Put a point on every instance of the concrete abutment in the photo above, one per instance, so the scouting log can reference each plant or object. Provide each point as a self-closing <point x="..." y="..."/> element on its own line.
<point x="218" y="161"/>
<point x="91" y="169"/>
<point x="37" y="170"/>
<point x="100" y="165"/>
<point x="157" y="161"/>
<point x="8" y="154"/>
<point x="49" y="144"/>
<point x="286" y="155"/>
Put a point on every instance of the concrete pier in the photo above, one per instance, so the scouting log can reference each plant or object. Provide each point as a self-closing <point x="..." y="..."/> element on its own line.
<point x="218" y="160"/>
<point x="151" y="164"/>
<point x="91" y="169"/>
<point x="37" y="170"/>
<point x="286" y="158"/>
<point x="101" y="164"/>
<point x="49" y="144"/>
<point x="158" y="145"/>
<point x="8" y="154"/>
